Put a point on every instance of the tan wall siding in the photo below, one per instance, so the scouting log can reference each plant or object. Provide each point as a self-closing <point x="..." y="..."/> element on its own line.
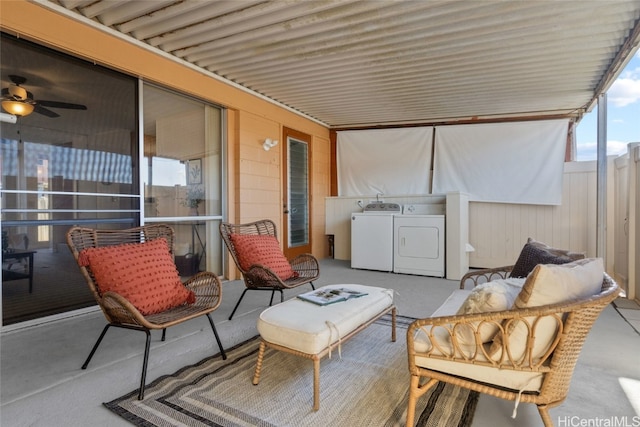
<point x="321" y="169"/>
<point x="259" y="177"/>
<point x="259" y="189"/>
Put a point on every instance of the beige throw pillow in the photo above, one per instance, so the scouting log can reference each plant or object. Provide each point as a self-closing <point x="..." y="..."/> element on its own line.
<point x="496" y="295"/>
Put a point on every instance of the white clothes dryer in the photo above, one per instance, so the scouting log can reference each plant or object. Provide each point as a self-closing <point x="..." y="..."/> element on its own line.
<point x="419" y="240"/>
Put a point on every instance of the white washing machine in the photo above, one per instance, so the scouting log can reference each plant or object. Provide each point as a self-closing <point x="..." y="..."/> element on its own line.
<point x="419" y="240"/>
<point x="372" y="236"/>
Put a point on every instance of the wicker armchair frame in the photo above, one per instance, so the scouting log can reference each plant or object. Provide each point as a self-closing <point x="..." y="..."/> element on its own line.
<point x="573" y="318"/>
<point x="119" y="312"/>
<point x="261" y="278"/>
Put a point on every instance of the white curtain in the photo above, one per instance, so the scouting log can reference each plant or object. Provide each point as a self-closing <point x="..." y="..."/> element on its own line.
<point x="387" y="161"/>
<point x="519" y="162"/>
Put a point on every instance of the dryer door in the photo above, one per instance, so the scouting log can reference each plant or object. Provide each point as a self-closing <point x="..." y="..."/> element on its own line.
<point x="418" y="242"/>
<point x="419" y="245"/>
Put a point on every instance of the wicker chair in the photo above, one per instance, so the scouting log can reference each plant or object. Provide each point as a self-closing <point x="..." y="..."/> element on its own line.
<point x="261" y="278"/>
<point x="574" y="320"/>
<point x="120" y="313"/>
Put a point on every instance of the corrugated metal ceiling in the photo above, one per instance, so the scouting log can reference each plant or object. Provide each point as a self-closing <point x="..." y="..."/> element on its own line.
<point x="368" y="63"/>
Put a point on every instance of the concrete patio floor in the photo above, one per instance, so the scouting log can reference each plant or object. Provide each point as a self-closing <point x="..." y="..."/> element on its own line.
<point x="41" y="383"/>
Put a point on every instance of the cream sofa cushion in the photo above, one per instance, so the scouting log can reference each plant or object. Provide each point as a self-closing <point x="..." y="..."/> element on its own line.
<point x="310" y="328"/>
<point x="515" y="380"/>
<point x="548" y="284"/>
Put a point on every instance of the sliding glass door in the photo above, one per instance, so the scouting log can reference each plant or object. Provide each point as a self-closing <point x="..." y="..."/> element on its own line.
<point x="61" y="167"/>
<point x="95" y="165"/>
<point x="182" y="175"/>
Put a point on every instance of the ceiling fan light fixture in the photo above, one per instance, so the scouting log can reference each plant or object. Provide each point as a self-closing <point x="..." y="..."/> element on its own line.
<point x="17" y="108"/>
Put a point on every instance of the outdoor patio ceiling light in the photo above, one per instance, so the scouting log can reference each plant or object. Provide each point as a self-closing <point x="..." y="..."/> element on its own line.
<point x="269" y="143"/>
<point x="17" y="101"/>
<point x="17" y="108"/>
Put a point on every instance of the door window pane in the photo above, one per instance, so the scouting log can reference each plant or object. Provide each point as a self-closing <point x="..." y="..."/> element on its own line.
<point x="298" y="193"/>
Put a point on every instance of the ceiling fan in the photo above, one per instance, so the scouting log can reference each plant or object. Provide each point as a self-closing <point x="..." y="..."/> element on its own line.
<point x="18" y="101"/>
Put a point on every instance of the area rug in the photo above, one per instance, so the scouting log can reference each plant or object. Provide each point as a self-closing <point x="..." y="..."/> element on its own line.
<point x="366" y="386"/>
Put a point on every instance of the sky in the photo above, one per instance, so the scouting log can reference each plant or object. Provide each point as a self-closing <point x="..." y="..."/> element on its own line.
<point x="623" y="116"/>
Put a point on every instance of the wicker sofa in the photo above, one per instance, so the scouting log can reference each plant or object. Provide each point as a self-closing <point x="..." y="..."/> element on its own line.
<point x="525" y="353"/>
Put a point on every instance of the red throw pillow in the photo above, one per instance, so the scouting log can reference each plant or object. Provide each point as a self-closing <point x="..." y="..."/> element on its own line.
<point x="143" y="273"/>
<point x="264" y="250"/>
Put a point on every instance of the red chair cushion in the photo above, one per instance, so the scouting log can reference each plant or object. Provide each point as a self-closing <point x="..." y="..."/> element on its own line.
<point x="264" y="250"/>
<point x="143" y="273"/>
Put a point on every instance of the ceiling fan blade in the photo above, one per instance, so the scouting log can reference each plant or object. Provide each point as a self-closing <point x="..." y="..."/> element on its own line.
<point x="19" y="80"/>
<point x="57" y="104"/>
<point x="45" y="111"/>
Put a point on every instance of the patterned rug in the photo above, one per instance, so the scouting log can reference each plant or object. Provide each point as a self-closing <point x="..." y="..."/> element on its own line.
<point x="367" y="386"/>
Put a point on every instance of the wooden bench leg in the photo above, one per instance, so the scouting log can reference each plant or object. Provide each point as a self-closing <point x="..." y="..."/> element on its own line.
<point x="316" y="383"/>
<point x="256" y="374"/>
<point x="393" y="324"/>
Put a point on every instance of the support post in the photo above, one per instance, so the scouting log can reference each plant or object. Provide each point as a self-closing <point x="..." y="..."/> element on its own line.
<point x="601" y="170"/>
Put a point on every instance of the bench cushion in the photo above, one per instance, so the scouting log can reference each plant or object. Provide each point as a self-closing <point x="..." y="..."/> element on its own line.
<point x="309" y="328"/>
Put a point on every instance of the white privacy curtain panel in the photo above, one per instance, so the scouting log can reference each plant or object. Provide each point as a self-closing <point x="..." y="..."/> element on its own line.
<point x="520" y="162"/>
<point x="387" y="161"/>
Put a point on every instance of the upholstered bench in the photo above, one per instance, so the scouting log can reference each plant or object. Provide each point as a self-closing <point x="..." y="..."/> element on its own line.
<point x="313" y="331"/>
